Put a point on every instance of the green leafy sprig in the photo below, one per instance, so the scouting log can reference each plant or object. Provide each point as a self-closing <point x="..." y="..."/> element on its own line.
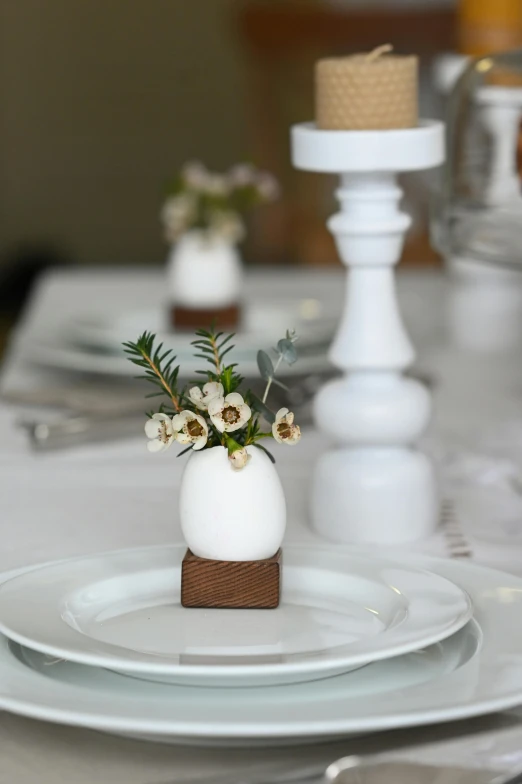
<point x="213" y="347"/>
<point x="285" y="351"/>
<point x="159" y="367"/>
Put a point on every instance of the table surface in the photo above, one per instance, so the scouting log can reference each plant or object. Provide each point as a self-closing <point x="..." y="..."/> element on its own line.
<point x="100" y="497"/>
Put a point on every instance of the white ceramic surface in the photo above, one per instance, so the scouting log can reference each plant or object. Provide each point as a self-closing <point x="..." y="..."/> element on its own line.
<point x="239" y="515"/>
<point x="403" y="149"/>
<point x="92" y="342"/>
<point x="373" y="487"/>
<point x="476" y="671"/>
<point x="203" y="273"/>
<point x="122" y="611"/>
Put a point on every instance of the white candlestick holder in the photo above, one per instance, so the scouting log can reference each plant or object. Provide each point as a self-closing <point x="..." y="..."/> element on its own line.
<point x="373" y="486"/>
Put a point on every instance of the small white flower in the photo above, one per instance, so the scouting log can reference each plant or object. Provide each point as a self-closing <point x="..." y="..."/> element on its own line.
<point x="227" y="225"/>
<point x="283" y="429"/>
<point x="239" y="459"/>
<point x="202" y="397"/>
<point x="267" y="186"/>
<point x="177" y="215"/>
<point x="190" y="428"/>
<point x="195" y="175"/>
<point x="241" y="175"/>
<point x="216" y="185"/>
<point x="159" y="430"/>
<point x="229" y="414"/>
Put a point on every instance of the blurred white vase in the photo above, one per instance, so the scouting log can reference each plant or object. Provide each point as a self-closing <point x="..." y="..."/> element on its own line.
<point x="204" y="272"/>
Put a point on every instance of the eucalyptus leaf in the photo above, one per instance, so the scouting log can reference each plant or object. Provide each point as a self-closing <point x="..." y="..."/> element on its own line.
<point x="265" y="365"/>
<point x="287" y="349"/>
<point x="262" y="408"/>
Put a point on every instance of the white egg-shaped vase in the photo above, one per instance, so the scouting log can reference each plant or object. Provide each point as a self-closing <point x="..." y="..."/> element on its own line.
<point x="229" y="515"/>
<point x="204" y="272"/>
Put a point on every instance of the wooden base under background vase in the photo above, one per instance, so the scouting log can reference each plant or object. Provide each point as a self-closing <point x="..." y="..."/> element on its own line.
<point x="231" y="584"/>
<point x="190" y="319"/>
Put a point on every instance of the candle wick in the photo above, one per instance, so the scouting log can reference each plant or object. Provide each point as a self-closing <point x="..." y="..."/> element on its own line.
<point x="378" y="51"/>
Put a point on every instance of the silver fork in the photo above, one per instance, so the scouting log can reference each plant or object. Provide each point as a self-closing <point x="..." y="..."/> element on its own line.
<point x="351" y="770"/>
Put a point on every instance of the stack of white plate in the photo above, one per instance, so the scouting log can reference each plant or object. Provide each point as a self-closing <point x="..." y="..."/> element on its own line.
<point x="358" y="644"/>
<point x="92" y="342"/>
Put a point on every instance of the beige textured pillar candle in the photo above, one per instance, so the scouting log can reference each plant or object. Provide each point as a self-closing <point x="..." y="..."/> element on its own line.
<point x="366" y="91"/>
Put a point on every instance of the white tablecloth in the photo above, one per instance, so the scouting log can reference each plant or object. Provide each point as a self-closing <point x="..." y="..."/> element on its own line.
<point x="117" y="495"/>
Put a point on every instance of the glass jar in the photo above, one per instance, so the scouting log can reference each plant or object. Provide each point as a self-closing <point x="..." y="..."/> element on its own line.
<point x="478" y="212"/>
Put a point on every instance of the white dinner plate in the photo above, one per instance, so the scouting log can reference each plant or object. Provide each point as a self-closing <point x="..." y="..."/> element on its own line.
<point x="122" y="611"/>
<point x="475" y="672"/>
<point x="92" y="342"/>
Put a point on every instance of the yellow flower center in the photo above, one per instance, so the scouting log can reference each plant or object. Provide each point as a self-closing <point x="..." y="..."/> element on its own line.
<point x="194" y="428"/>
<point x="230" y="415"/>
<point x="284" y="430"/>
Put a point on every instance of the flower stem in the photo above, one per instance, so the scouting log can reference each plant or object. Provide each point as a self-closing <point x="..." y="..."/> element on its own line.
<point x="166" y="387"/>
<point x="216" y="355"/>
<point x="269" y="382"/>
<point x="231" y="444"/>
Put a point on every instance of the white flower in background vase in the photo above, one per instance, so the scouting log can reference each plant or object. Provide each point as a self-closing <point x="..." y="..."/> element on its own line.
<point x="284" y="430"/>
<point x="268" y="186"/>
<point x="190" y="428"/>
<point x="216" y="185"/>
<point x="176" y="213"/>
<point x="230" y="413"/>
<point x="227" y="226"/>
<point x="241" y="174"/>
<point x="202" y="397"/>
<point x="160" y="432"/>
<point x="195" y="174"/>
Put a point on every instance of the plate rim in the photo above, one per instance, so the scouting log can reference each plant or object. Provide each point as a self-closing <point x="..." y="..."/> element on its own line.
<point x="320" y="729"/>
<point x="317" y="667"/>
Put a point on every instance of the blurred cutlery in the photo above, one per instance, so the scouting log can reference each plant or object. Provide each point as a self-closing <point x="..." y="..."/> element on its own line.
<point x="80" y="398"/>
<point x="367" y="770"/>
<point x="78" y="430"/>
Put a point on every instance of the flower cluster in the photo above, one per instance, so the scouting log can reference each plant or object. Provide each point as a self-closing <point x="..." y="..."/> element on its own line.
<point x="213" y="203"/>
<point x="206" y="415"/>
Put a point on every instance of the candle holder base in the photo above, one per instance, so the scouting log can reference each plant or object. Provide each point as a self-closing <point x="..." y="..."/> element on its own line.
<point x="374" y="496"/>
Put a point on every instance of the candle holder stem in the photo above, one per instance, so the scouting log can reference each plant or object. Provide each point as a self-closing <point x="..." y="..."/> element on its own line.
<point x="373" y="486"/>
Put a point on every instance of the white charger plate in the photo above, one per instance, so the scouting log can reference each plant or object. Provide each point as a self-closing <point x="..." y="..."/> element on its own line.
<point x="475" y="672"/>
<point x="122" y="611"/>
<point x="92" y="342"/>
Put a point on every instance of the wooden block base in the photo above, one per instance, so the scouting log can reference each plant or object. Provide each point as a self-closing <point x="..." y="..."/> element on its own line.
<point x="232" y="584"/>
<point x="190" y="319"/>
